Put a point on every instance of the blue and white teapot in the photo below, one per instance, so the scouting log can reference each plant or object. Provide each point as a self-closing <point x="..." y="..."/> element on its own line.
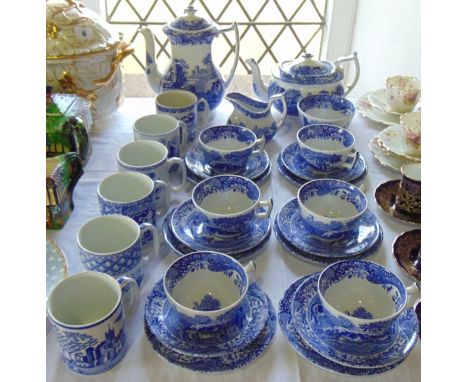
<point x="191" y="67"/>
<point x="301" y="77"/>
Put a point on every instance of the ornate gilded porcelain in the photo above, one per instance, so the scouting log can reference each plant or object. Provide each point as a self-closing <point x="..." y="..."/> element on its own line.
<point x="403" y="93"/>
<point x="302" y="77"/>
<point x="368" y="110"/>
<point x="191" y="67"/>
<point x="384" y="157"/>
<point x="393" y="140"/>
<point x="407" y="252"/>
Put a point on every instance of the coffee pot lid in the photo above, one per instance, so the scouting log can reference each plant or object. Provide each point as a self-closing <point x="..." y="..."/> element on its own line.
<point x="191" y="23"/>
<point x="304" y="68"/>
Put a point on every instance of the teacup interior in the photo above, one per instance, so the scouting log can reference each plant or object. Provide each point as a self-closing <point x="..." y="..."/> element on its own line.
<point x="176" y="99"/>
<point x="83" y="299"/>
<point x="330" y="206"/>
<point x="226" y="202"/>
<point x="412" y="171"/>
<point x="228" y="144"/>
<point x="228" y="138"/>
<point x="156" y="124"/>
<point x="326" y="113"/>
<point x="325" y="144"/>
<point x="142" y="153"/>
<point x="108" y="234"/>
<point x="125" y="187"/>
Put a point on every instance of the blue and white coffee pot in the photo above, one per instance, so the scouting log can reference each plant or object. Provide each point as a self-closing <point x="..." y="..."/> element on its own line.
<point x="191" y="67"/>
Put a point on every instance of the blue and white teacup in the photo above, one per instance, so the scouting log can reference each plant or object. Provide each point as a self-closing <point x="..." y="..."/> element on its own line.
<point x="165" y="129"/>
<point x="112" y="244"/>
<point x="206" y="291"/>
<point x="326" y="109"/>
<point x="327" y="148"/>
<point x="361" y="301"/>
<point x="330" y="208"/>
<point x="87" y="312"/>
<point x="227" y="148"/>
<point x="184" y="106"/>
<point x="228" y="205"/>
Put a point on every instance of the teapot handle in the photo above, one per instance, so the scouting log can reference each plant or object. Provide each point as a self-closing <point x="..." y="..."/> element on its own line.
<point x="236" y="58"/>
<point x="351" y="57"/>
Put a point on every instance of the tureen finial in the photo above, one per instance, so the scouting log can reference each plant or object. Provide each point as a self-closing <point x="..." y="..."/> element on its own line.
<point x="190" y="10"/>
<point x="307" y="56"/>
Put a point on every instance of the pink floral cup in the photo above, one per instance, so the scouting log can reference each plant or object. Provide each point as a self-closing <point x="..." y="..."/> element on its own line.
<point x="411" y="124"/>
<point x="403" y="93"/>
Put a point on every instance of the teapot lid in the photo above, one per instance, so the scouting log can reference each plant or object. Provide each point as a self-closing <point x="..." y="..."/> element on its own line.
<point x="304" y="69"/>
<point x="190" y="22"/>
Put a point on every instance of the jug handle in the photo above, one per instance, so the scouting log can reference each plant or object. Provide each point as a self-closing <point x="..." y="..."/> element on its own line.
<point x="351" y="57"/>
<point x="236" y="58"/>
<point x="282" y="97"/>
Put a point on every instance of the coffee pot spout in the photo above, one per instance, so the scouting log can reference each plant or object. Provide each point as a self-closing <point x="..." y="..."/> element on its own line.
<point x="152" y="73"/>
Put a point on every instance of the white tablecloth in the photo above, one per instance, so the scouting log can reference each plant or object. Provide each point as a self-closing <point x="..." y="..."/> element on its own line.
<point x="276" y="269"/>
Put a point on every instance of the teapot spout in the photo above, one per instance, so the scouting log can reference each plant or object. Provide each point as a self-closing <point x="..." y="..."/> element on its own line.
<point x="153" y="75"/>
<point x="260" y="88"/>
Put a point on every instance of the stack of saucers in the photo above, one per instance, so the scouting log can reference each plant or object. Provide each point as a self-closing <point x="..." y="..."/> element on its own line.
<point x="205" y="316"/>
<point x="327" y="222"/>
<point x="354" y="318"/>
<point x="321" y="151"/>
<point x="225" y="214"/>
<point x="228" y="149"/>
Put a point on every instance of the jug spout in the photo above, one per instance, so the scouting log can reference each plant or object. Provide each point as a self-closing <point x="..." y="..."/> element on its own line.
<point x="152" y="73"/>
<point x="259" y="87"/>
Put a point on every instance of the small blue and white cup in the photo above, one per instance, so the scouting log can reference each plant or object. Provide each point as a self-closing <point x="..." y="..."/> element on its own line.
<point x="228" y="205"/>
<point x="330" y="208"/>
<point x="184" y="106"/>
<point x="164" y="129"/>
<point x="227" y="148"/>
<point x="87" y="312"/>
<point x="206" y="291"/>
<point x="112" y="244"/>
<point x="327" y="148"/>
<point x="131" y="194"/>
<point x="361" y="301"/>
<point x="151" y="158"/>
<point x="328" y="109"/>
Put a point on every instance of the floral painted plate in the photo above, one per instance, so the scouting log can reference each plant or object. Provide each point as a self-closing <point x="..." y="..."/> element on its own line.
<point x="365" y="108"/>
<point x="392" y="139"/>
<point x="385" y="158"/>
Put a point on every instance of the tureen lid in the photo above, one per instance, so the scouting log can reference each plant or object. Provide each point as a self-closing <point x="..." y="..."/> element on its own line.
<point x="74" y="30"/>
<point x="191" y="23"/>
<point x="304" y="69"/>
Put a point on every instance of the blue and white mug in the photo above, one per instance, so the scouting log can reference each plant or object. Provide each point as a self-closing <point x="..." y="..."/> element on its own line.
<point x="330" y="208"/>
<point x="112" y="244"/>
<point x="87" y="312"/>
<point x="362" y="301"/>
<point x="228" y="204"/>
<point x="328" y="109"/>
<point x="327" y="148"/>
<point x="164" y="129"/>
<point x="206" y="291"/>
<point x="184" y="106"/>
<point x="227" y="148"/>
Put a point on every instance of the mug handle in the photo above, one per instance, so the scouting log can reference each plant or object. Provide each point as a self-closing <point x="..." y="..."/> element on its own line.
<point x="269" y="205"/>
<point x="413" y="291"/>
<point x="150" y="227"/>
<point x="163" y="203"/>
<point x="351" y="160"/>
<point x="130" y="293"/>
<point x="259" y="144"/>
<point x="204" y="117"/>
<point x="180" y="163"/>
<point x="183" y="137"/>
<point x="250" y="268"/>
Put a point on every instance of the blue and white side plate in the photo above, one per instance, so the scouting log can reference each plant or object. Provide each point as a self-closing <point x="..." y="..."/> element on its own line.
<point x="236" y="357"/>
<point x="361" y="238"/>
<point x="195" y="179"/>
<point x="181" y="249"/>
<point x="296" y="165"/>
<point x="310" y="322"/>
<point x="158" y="308"/>
<point x="288" y="327"/>
<point x="288" y="175"/>
<point x="256" y="165"/>
<point x="187" y="225"/>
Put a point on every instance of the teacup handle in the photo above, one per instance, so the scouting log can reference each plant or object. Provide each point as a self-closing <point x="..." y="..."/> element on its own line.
<point x="205" y="113"/>
<point x="351" y="160"/>
<point x="150" y="227"/>
<point x="414" y="295"/>
<point x="265" y="203"/>
<point x="163" y="203"/>
<point x="259" y="145"/>
<point x="183" y="137"/>
<point x="180" y="163"/>
<point x="250" y="268"/>
<point x="130" y="293"/>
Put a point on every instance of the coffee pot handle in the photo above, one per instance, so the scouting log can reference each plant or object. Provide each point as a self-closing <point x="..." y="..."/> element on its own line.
<point x="236" y="53"/>
<point x="174" y="161"/>
<point x="130" y="293"/>
<point x="351" y="57"/>
<point x="150" y="227"/>
<point x="269" y="206"/>
<point x="414" y="295"/>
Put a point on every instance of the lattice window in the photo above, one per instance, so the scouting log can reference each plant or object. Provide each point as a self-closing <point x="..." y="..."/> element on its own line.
<point x="270" y="30"/>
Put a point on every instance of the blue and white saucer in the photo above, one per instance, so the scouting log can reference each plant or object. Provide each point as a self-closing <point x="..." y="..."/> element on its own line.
<point x="292" y="228"/>
<point x="310" y="322"/>
<point x="187" y="225"/>
<point x="288" y="327"/>
<point x="297" y="166"/>
<point x="256" y="166"/>
<point x="288" y="175"/>
<point x="238" y="353"/>
<point x="181" y="249"/>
